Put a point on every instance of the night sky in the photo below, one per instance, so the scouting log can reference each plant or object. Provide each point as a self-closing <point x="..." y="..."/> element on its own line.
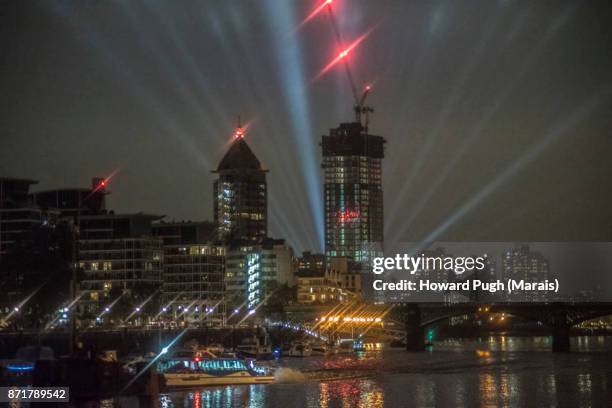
<point x="497" y="114"/>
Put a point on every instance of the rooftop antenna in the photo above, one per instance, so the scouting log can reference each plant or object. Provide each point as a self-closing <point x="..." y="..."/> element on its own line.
<point x="239" y="133"/>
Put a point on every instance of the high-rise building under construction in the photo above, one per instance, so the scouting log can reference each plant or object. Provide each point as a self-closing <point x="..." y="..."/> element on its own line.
<point x="353" y="193"/>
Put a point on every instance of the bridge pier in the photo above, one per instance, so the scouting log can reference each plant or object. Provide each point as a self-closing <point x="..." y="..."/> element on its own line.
<point x="561" y="340"/>
<point x="415" y="334"/>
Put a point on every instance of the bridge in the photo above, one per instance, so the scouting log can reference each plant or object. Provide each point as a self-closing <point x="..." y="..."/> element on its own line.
<point x="412" y="320"/>
<point x="557" y="316"/>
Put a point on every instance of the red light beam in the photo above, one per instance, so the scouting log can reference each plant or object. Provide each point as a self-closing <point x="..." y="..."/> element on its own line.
<point x="342" y="55"/>
<point x="314" y="13"/>
<point x="103" y="183"/>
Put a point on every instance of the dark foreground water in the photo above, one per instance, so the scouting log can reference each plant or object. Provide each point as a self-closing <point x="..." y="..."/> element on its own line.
<point x="492" y="372"/>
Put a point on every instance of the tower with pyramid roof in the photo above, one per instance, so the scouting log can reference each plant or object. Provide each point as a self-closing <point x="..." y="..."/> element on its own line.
<point x="240" y="194"/>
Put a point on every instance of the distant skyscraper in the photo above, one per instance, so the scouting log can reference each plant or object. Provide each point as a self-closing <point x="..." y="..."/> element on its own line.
<point x="353" y="193"/>
<point x="240" y="194"/>
<point x="521" y="263"/>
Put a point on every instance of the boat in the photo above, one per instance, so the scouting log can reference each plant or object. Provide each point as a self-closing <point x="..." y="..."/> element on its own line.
<point x="322" y="349"/>
<point x="198" y="372"/>
<point x="300" y="349"/>
<point x="19" y="370"/>
<point x="252" y="348"/>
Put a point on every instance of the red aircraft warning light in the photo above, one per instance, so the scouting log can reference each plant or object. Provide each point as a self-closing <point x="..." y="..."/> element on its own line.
<point x="239" y="133"/>
<point x="99" y="183"/>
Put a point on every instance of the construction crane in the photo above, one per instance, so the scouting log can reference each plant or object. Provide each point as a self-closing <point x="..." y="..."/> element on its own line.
<point x="362" y="111"/>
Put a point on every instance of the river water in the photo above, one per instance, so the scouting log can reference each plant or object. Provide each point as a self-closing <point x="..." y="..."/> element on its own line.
<point x="490" y="372"/>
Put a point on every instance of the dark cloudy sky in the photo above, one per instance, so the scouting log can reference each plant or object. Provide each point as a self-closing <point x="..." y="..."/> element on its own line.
<point x="498" y="114"/>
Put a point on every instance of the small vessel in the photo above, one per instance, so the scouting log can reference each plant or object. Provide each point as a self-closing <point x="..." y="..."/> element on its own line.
<point x="197" y="372"/>
<point x="252" y="348"/>
<point x="19" y="370"/>
<point x="322" y="349"/>
<point x="300" y="349"/>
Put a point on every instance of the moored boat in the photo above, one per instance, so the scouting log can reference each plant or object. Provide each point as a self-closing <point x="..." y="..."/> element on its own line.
<point x="252" y="348"/>
<point x="322" y="349"/>
<point x="300" y="349"/>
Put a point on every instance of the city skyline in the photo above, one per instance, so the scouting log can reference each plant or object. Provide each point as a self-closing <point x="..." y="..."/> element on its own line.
<point x="463" y="165"/>
<point x="328" y="203"/>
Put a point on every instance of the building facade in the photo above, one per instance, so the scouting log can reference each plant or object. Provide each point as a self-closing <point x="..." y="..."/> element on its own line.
<point x="19" y="216"/>
<point x="312" y="262"/>
<point x="118" y="256"/>
<point x="193" y="273"/>
<point x="346" y="274"/>
<point x="24" y="228"/>
<point x="74" y="202"/>
<point x="521" y="263"/>
<point x="352" y="166"/>
<point x="253" y="271"/>
<point x="316" y="288"/>
<point x="240" y="194"/>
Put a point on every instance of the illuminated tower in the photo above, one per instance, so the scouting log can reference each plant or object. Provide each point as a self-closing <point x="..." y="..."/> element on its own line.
<point x="240" y="194"/>
<point x="353" y="193"/>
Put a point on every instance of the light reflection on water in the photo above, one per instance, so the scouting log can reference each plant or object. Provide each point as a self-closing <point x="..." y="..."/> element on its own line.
<point x="495" y="371"/>
<point x="500" y="372"/>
